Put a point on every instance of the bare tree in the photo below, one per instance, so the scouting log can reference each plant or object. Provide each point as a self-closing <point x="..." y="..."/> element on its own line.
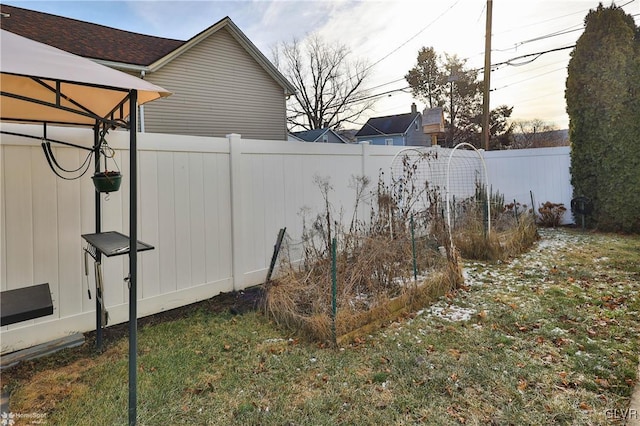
<point x="329" y="85"/>
<point x="536" y="133"/>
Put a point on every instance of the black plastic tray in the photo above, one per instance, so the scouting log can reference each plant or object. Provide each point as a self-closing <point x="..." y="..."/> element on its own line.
<point x="112" y="243"/>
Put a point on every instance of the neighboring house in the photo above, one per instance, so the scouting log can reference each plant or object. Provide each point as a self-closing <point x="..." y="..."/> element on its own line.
<point x="221" y="82"/>
<point x="401" y="129"/>
<point x="349" y="135"/>
<point x="325" y="135"/>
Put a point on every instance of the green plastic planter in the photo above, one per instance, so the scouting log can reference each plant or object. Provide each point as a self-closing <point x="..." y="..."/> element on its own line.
<point x="107" y="181"/>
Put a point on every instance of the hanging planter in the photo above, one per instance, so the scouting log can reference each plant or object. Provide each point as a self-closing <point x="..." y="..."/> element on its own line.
<point x="107" y="181"/>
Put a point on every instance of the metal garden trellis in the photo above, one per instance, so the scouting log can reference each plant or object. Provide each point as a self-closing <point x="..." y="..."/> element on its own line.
<point x="42" y="84"/>
<point x="432" y="168"/>
<point x="451" y="191"/>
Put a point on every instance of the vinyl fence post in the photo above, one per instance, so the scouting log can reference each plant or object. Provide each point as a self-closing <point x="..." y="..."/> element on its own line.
<point x="236" y="185"/>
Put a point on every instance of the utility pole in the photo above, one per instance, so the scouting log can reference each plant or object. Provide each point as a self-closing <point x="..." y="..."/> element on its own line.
<point x="453" y="77"/>
<point x="487" y="78"/>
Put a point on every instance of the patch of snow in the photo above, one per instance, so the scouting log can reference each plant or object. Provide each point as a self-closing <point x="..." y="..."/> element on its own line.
<point x="452" y="313"/>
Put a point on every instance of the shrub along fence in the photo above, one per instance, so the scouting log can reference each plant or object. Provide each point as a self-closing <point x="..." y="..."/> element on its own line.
<point x="211" y="207"/>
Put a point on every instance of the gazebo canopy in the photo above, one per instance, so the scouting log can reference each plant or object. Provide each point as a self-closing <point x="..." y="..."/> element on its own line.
<point x="40" y="83"/>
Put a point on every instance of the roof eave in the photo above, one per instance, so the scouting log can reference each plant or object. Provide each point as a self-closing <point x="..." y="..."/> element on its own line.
<point x="122" y="66"/>
<point x="338" y="136"/>
<point x="379" y="135"/>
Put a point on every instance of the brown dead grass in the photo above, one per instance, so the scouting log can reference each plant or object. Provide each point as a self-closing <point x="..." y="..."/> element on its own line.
<point x="509" y="237"/>
<point x="373" y="288"/>
<point x="47" y="388"/>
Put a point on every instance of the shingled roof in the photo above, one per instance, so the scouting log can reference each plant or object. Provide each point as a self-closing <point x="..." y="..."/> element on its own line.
<point x="86" y="39"/>
<point x="389" y="125"/>
<point x="316" y="135"/>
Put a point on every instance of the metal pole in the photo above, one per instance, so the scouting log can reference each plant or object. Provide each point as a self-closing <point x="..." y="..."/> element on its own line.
<point x="487" y="77"/>
<point x="451" y="115"/>
<point x="452" y="78"/>
<point x="98" y="225"/>
<point x="133" y="258"/>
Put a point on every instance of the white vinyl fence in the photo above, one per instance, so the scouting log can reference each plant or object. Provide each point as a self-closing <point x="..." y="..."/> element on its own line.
<point x="544" y="172"/>
<point x="211" y="207"/>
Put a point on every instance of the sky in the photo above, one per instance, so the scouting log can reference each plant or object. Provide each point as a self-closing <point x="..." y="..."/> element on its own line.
<point x="388" y="35"/>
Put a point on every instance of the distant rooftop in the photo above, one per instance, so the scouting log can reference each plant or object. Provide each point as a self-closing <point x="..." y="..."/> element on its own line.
<point x="388" y="125"/>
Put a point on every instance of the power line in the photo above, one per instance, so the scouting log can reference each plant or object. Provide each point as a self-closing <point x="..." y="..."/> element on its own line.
<point x="529" y="55"/>
<point x="524" y="101"/>
<point x="414" y="36"/>
<point x="546" y="36"/>
<point x="527" y="79"/>
<point x="542" y="22"/>
<point x="493" y="68"/>
<point x="388" y="92"/>
<point x="583" y="11"/>
<point x="383" y="84"/>
<point x="528" y="70"/>
<point x="564" y="31"/>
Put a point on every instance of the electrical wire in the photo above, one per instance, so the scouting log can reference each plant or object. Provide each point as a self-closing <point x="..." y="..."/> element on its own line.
<point x="527" y="79"/>
<point x="494" y="67"/>
<point x="535" y="56"/>
<point x="414" y="36"/>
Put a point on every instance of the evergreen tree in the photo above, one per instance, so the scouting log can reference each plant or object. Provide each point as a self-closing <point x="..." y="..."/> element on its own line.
<point x="603" y="107"/>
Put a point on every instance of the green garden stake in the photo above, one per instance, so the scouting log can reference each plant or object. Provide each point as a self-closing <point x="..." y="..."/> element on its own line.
<point x="334" y="291"/>
<point x="413" y="250"/>
<point x="485" y="217"/>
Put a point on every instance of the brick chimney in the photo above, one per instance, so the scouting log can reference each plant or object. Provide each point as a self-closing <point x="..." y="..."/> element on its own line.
<point x="414" y="108"/>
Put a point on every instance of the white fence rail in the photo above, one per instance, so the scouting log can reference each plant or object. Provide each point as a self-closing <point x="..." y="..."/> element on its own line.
<point x="211" y="207"/>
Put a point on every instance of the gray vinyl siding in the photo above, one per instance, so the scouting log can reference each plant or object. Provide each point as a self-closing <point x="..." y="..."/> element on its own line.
<point x="415" y="136"/>
<point x="332" y="138"/>
<point x="218" y="89"/>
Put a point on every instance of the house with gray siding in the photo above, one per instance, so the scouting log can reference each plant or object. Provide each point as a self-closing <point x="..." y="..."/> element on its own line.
<point x="401" y="129"/>
<point x="221" y="82"/>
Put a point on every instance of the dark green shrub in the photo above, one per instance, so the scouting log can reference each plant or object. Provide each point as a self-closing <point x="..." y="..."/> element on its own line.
<point x="603" y="103"/>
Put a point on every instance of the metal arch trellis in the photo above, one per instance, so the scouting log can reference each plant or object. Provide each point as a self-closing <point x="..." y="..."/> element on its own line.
<point x="421" y="164"/>
<point x="430" y="168"/>
<point x="452" y="192"/>
<point x="418" y="181"/>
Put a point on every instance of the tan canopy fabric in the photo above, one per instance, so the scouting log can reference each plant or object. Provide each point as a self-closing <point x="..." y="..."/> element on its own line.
<point x="40" y="83"/>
